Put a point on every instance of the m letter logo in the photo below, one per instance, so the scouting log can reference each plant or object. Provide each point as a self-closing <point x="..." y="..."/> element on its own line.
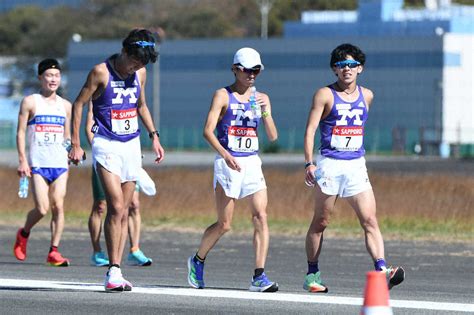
<point x="121" y="93"/>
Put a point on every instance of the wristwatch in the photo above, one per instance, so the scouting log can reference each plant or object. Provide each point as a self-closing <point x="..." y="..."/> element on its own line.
<point x="155" y="132"/>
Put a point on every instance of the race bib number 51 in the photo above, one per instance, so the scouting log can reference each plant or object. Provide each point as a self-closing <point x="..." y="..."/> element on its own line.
<point x="242" y="139"/>
<point x="124" y="121"/>
<point x="347" y="138"/>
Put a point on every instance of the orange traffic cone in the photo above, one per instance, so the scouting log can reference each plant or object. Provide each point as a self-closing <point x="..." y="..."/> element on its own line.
<point x="376" y="298"/>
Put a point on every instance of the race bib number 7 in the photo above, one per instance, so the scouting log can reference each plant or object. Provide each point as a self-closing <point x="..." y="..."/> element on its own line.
<point x="124" y="121"/>
<point x="242" y="139"/>
<point x="347" y="138"/>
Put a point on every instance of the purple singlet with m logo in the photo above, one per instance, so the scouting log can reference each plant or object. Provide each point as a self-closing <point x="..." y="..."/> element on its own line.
<point x="115" y="110"/>
<point x="237" y="131"/>
<point x="342" y="131"/>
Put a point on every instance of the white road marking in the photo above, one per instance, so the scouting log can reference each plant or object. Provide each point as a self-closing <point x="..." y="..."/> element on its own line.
<point x="234" y="294"/>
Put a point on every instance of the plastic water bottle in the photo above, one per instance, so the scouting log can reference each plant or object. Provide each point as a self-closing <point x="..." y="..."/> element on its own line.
<point x="23" y="187"/>
<point x="254" y="107"/>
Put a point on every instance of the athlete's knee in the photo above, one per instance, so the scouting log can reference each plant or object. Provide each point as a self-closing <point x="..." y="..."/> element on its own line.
<point x="99" y="206"/>
<point x="224" y="226"/>
<point x="260" y="217"/>
<point x="370" y="223"/>
<point x="319" y="223"/>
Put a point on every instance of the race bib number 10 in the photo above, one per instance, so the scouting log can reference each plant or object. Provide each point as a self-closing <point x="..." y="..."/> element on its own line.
<point x="124" y="121"/>
<point x="347" y="138"/>
<point x="242" y="139"/>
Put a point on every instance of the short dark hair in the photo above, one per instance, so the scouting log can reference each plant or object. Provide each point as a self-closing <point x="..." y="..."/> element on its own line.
<point x="48" y="63"/>
<point x="140" y="44"/>
<point x="341" y="52"/>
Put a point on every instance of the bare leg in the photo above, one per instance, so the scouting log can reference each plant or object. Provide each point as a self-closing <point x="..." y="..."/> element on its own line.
<point x="225" y="210"/>
<point x="40" y="195"/>
<point x="365" y="208"/>
<point x="258" y="202"/>
<point x="95" y="223"/>
<point x="57" y="194"/>
<point x="118" y="197"/>
<point x="323" y="207"/>
<point x="134" y="221"/>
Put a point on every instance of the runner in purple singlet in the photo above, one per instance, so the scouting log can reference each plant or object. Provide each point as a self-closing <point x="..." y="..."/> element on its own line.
<point x="117" y="89"/>
<point x="340" y="110"/>
<point x="237" y="167"/>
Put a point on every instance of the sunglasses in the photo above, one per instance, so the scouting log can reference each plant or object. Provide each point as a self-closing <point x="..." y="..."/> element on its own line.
<point x="253" y="71"/>
<point x="349" y="63"/>
<point x="144" y="44"/>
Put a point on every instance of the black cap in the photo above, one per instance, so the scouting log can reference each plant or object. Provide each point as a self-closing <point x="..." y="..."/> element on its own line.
<point x="48" y="64"/>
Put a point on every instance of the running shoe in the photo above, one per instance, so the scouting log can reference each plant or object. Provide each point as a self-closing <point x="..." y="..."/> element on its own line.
<point x="262" y="284"/>
<point x="114" y="281"/>
<point x="57" y="260"/>
<point x="395" y="276"/>
<point x="19" y="249"/>
<point x="137" y="258"/>
<point x="99" y="259"/>
<point x="313" y="283"/>
<point x="195" y="273"/>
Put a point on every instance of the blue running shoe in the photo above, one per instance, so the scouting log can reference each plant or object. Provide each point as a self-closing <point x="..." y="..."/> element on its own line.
<point x="195" y="273"/>
<point x="137" y="258"/>
<point x="262" y="284"/>
<point x="99" y="259"/>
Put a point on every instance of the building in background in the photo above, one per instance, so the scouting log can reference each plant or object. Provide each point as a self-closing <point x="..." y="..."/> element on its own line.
<point x="420" y="66"/>
<point x="432" y="85"/>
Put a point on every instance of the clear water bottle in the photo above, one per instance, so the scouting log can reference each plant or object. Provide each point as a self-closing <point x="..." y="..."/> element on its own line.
<point x="254" y="107"/>
<point x="23" y="187"/>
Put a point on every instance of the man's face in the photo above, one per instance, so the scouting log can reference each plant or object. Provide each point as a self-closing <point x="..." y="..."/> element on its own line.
<point x="50" y="80"/>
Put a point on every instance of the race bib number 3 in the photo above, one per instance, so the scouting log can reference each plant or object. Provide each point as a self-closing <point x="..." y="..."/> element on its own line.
<point x="347" y="138"/>
<point x="242" y="139"/>
<point x="49" y="134"/>
<point x="124" y="121"/>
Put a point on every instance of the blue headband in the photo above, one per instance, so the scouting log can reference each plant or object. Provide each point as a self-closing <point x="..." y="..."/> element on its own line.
<point x="144" y="44"/>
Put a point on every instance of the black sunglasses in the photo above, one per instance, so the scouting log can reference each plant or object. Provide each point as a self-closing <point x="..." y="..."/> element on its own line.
<point x="253" y="71"/>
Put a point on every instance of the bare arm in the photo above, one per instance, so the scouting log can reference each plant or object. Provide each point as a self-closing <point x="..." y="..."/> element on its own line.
<point x="67" y="123"/>
<point x="95" y="79"/>
<point x="264" y="101"/>
<point x="218" y="105"/>
<point x="368" y="97"/>
<point x="147" y="120"/>
<point x="27" y="109"/>
<point x="319" y="109"/>
<point x="89" y="122"/>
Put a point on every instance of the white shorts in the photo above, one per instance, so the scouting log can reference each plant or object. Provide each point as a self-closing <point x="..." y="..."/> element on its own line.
<point x="120" y="158"/>
<point x="240" y="184"/>
<point x="345" y="178"/>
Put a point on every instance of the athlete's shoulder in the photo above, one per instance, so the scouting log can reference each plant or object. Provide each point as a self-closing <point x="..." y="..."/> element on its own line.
<point x="368" y="94"/>
<point x="323" y="93"/>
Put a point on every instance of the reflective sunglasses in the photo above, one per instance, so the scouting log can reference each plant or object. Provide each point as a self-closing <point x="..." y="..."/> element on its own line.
<point x="144" y="44"/>
<point x="253" y="71"/>
<point x="349" y="63"/>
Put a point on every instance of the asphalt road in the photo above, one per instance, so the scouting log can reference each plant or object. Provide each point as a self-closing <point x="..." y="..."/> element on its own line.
<point x="439" y="277"/>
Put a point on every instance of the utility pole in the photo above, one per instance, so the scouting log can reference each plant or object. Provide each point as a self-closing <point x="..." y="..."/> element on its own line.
<point x="265" y="7"/>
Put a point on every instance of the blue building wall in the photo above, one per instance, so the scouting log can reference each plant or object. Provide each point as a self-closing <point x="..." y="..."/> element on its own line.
<point x="384" y="18"/>
<point x="404" y="74"/>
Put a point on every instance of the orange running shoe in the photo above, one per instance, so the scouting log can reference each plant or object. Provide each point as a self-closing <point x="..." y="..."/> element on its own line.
<point x="57" y="260"/>
<point x="19" y="249"/>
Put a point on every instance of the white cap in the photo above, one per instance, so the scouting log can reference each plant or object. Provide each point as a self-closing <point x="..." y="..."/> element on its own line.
<point x="248" y="58"/>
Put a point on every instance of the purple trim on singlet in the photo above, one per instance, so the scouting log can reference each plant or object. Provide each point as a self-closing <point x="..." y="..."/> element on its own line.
<point x="231" y="116"/>
<point x="343" y="118"/>
<point x="124" y="94"/>
<point x="50" y="174"/>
